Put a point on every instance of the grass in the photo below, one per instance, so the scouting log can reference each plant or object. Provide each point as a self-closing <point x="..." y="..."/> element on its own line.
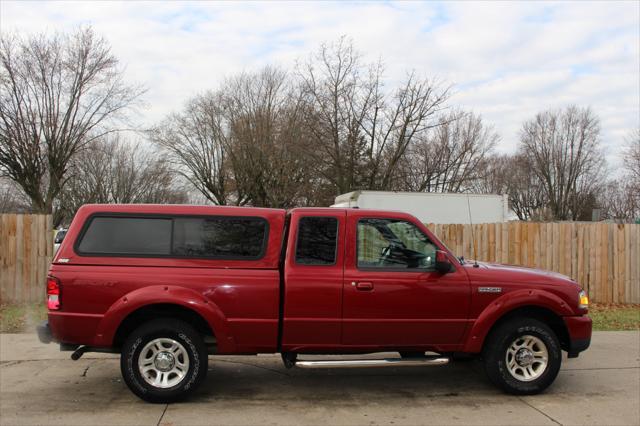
<point x="615" y="317"/>
<point x="23" y="318"/>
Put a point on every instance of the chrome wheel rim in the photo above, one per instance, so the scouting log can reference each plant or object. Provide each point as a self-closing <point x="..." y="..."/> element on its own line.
<point x="527" y="358"/>
<point x="163" y="363"/>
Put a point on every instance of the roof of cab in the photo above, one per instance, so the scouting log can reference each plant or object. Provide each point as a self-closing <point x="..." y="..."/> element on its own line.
<point x="191" y="209"/>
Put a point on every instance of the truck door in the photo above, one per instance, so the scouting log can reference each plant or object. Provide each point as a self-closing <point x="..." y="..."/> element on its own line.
<point x="392" y="295"/>
<point x="314" y="273"/>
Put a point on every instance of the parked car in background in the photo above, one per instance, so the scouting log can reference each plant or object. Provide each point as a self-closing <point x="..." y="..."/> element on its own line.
<point x="57" y="240"/>
<point x="166" y="286"/>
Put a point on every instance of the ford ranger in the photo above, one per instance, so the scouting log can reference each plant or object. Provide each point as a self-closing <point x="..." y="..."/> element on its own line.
<point x="166" y="286"/>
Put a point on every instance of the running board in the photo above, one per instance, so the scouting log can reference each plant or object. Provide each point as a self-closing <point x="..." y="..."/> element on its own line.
<point x="387" y="362"/>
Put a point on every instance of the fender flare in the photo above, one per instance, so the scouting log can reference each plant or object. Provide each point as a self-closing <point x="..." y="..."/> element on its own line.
<point x="507" y="303"/>
<point x="164" y="294"/>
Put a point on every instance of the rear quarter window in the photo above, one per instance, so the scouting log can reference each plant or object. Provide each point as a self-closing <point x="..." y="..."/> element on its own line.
<point x="220" y="237"/>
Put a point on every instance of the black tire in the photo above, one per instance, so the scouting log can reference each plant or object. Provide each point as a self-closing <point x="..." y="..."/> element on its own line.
<point x="495" y="356"/>
<point x="182" y="333"/>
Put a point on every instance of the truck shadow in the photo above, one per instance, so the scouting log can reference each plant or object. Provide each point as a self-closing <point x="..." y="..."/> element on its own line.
<point x="243" y="377"/>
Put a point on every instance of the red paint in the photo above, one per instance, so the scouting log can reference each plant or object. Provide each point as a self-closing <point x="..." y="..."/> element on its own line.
<point x="334" y="308"/>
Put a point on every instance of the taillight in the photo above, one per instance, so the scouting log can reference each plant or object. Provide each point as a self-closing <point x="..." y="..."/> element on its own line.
<point x="53" y="293"/>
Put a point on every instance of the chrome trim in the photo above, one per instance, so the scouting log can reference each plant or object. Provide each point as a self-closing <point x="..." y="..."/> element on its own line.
<point x="387" y="362"/>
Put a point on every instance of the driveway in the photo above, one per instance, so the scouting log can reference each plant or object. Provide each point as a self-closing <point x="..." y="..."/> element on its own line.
<point x="40" y="385"/>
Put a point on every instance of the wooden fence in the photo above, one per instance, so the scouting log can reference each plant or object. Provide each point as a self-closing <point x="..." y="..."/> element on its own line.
<point x="604" y="258"/>
<point x="26" y="249"/>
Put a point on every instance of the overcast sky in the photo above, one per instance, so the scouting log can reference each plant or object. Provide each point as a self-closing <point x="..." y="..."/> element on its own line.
<point x="506" y="60"/>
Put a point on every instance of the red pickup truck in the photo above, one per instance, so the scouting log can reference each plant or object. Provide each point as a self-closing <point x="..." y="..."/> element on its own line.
<point x="166" y="286"/>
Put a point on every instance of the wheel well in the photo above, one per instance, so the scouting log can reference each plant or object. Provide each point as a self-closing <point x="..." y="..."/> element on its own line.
<point x="163" y="310"/>
<point x="547" y="316"/>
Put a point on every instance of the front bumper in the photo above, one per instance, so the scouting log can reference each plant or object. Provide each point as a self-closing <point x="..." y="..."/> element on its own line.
<point x="579" y="329"/>
<point x="44" y="332"/>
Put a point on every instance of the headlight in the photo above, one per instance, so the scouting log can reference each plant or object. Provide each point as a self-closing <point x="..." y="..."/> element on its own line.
<point x="584" y="300"/>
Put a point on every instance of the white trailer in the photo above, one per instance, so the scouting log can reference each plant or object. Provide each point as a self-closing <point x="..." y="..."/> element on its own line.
<point x="432" y="207"/>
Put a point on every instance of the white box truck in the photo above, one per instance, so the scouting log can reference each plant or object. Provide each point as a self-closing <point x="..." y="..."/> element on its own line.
<point x="432" y="207"/>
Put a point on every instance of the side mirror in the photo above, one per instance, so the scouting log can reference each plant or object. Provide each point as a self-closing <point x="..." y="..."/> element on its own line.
<point x="443" y="265"/>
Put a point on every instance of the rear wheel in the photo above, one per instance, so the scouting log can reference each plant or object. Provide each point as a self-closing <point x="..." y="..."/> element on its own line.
<point x="163" y="360"/>
<point x="522" y="356"/>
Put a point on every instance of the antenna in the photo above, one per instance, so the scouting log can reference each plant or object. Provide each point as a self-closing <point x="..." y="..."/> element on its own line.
<point x="473" y="237"/>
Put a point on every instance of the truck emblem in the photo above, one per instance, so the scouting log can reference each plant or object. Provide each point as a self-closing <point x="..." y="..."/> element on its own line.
<point x="489" y="289"/>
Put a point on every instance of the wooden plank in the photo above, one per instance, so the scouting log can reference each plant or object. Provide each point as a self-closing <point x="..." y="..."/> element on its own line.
<point x="492" y="243"/>
<point x="27" y="256"/>
<point x="592" y="260"/>
<point x="632" y="267"/>
<point x="527" y="242"/>
<point x="517" y="244"/>
<point x="19" y="281"/>
<point x="574" y="251"/>
<point x="484" y="239"/>
<point x="4" y="261"/>
<point x="567" y="240"/>
<point x="557" y="245"/>
<point x="45" y="241"/>
<point x="35" y="261"/>
<point x="611" y="284"/>
<point x="505" y="243"/>
<point x="539" y="248"/>
<point x="580" y="256"/>
<point x="38" y="278"/>
<point x="604" y="264"/>
<point x="11" y="256"/>
<point x="544" y="247"/>
<point x="620" y="263"/>
<point x="628" y="260"/>
<point x="613" y="262"/>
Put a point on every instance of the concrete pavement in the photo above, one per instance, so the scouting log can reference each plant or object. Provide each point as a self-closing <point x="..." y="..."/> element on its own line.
<point x="40" y="385"/>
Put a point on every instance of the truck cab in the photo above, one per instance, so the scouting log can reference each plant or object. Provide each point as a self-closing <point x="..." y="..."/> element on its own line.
<point x="167" y="286"/>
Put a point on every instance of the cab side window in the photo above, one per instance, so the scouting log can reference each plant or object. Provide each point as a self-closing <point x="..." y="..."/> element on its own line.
<point x="393" y="244"/>
<point x="317" y="241"/>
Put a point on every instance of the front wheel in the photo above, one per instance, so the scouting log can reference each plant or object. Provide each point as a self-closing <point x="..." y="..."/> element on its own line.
<point x="522" y="356"/>
<point x="163" y="360"/>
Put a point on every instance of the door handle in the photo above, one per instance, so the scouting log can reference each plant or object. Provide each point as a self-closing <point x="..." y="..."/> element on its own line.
<point x="363" y="286"/>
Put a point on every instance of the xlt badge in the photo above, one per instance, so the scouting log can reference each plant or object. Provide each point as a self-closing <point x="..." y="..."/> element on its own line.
<point x="489" y="289"/>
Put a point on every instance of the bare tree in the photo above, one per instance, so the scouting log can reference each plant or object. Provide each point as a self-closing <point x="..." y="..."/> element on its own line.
<point x="620" y="201"/>
<point x="512" y="175"/>
<point x="269" y="140"/>
<point x="197" y="141"/>
<point x="117" y="171"/>
<point x="448" y="158"/>
<point x="563" y="150"/>
<point x="245" y="143"/>
<point x="360" y="132"/>
<point x="631" y="159"/>
<point x="12" y="200"/>
<point x="57" y="94"/>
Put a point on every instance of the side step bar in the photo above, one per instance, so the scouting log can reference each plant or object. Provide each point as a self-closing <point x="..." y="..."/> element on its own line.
<point x="386" y="362"/>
